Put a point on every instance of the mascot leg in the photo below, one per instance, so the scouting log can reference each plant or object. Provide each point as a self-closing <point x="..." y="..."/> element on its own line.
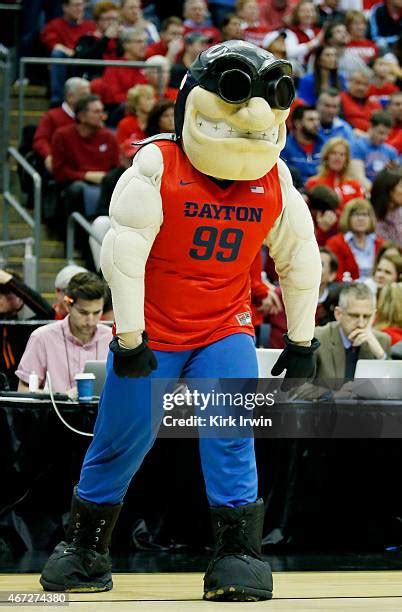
<point x="124" y="432"/>
<point x="236" y="571"/>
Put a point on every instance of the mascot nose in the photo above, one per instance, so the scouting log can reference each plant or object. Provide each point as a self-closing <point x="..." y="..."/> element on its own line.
<point x="255" y="115"/>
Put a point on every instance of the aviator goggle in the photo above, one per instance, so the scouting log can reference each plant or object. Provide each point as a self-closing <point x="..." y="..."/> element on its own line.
<point x="236" y="81"/>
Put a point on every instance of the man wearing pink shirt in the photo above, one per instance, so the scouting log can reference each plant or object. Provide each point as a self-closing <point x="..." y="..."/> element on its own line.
<point x="62" y="348"/>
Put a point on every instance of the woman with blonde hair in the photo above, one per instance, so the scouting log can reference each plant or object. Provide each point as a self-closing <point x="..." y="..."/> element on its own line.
<point x="334" y="172"/>
<point x="356" y="245"/>
<point x="140" y="101"/>
<point x="387" y="269"/>
<point x="389" y="311"/>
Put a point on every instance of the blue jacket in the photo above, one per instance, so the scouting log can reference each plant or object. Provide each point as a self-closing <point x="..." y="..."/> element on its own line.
<point x="305" y="89"/>
<point x="339" y="129"/>
<point x="294" y="155"/>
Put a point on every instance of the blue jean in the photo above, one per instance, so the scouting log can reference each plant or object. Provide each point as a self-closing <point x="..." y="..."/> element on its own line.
<point x="58" y="76"/>
<point x="123" y="432"/>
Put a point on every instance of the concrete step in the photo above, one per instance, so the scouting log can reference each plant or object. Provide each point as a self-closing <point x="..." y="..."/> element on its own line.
<point x="30" y="104"/>
<point x="50" y="297"/>
<point x="46" y="277"/>
<point x="49" y="249"/>
<point x="50" y="265"/>
<point x="12" y="215"/>
<point x="30" y="91"/>
<point x="31" y="117"/>
<point x="32" y="95"/>
<point x="22" y="230"/>
<point x="46" y="282"/>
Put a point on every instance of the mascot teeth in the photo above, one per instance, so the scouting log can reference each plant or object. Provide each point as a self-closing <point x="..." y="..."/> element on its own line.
<point x="221" y="129"/>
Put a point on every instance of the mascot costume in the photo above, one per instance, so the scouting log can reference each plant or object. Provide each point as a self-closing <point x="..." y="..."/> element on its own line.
<point x="187" y="221"/>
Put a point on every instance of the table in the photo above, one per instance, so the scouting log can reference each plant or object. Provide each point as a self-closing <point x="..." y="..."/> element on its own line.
<point x="319" y="492"/>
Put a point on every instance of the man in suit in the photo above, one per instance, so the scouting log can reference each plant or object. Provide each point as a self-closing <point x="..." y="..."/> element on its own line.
<point x="351" y="336"/>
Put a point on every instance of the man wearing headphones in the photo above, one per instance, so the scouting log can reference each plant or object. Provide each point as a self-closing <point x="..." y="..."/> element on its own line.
<point x="63" y="347"/>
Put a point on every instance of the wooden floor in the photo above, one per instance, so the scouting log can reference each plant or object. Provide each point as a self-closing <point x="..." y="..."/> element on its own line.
<point x="181" y="592"/>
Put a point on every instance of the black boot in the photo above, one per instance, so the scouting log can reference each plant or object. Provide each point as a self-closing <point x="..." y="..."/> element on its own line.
<point x="82" y="563"/>
<point x="237" y="571"/>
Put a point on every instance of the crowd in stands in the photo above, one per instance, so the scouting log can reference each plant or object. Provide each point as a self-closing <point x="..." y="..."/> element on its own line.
<point x="344" y="144"/>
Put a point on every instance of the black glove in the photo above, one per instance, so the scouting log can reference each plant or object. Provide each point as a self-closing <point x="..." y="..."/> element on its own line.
<point x="136" y="362"/>
<point x="298" y="361"/>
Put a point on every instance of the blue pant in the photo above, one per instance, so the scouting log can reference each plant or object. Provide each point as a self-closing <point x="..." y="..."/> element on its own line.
<point x="123" y="434"/>
<point x="58" y="76"/>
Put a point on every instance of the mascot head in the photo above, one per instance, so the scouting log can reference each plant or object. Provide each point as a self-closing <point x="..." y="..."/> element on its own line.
<point x="231" y="110"/>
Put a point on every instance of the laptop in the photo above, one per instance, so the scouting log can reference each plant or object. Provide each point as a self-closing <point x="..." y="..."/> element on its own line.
<point x="378" y="379"/>
<point x="99" y="369"/>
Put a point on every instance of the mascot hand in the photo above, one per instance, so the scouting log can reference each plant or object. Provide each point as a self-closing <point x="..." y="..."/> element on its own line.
<point x="133" y="363"/>
<point x="298" y="362"/>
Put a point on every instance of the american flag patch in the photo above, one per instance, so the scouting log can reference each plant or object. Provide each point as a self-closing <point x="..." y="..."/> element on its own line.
<point x="244" y="318"/>
<point x="256" y="189"/>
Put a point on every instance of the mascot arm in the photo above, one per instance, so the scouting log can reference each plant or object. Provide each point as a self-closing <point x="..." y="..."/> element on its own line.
<point x="293" y="247"/>
<point x="136" y="217"/>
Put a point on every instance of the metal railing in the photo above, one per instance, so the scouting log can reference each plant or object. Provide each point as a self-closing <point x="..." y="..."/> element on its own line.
<point x="29" y="263"/>
<point x="34" y="221"/>
<point x="5" y="86"/>
<point x="77" y="219"/>
<point x="71" y="63"/>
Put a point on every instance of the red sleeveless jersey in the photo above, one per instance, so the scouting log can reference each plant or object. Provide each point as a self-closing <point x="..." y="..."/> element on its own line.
<point x="197" y="277"/>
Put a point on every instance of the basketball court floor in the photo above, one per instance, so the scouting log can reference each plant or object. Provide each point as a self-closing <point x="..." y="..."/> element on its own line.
<point x="378" y="591"/>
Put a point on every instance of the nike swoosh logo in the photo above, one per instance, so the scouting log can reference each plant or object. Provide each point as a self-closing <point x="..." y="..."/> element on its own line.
<point x="186" y="182"/>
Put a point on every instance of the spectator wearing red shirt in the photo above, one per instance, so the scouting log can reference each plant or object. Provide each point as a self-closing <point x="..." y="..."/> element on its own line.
<point x="116" y="81"/>
<point x="74" y="89"/>
<point x="60" y="37"/>
<point x="382" y="85"/>
<point x="357" y="245"/>
<point x="196" y="20"/>
<point x="140" y="101"/>
<point x="82" y="154"/>
<point x="359" y="49"/>
<point x="357" y="108"/>
<point x="159" y="79"/>
<point x="275" y="14"/>
<point x="334" y="172"/>
<point x="254" y="31"/>
<point x="171" y="42"/>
